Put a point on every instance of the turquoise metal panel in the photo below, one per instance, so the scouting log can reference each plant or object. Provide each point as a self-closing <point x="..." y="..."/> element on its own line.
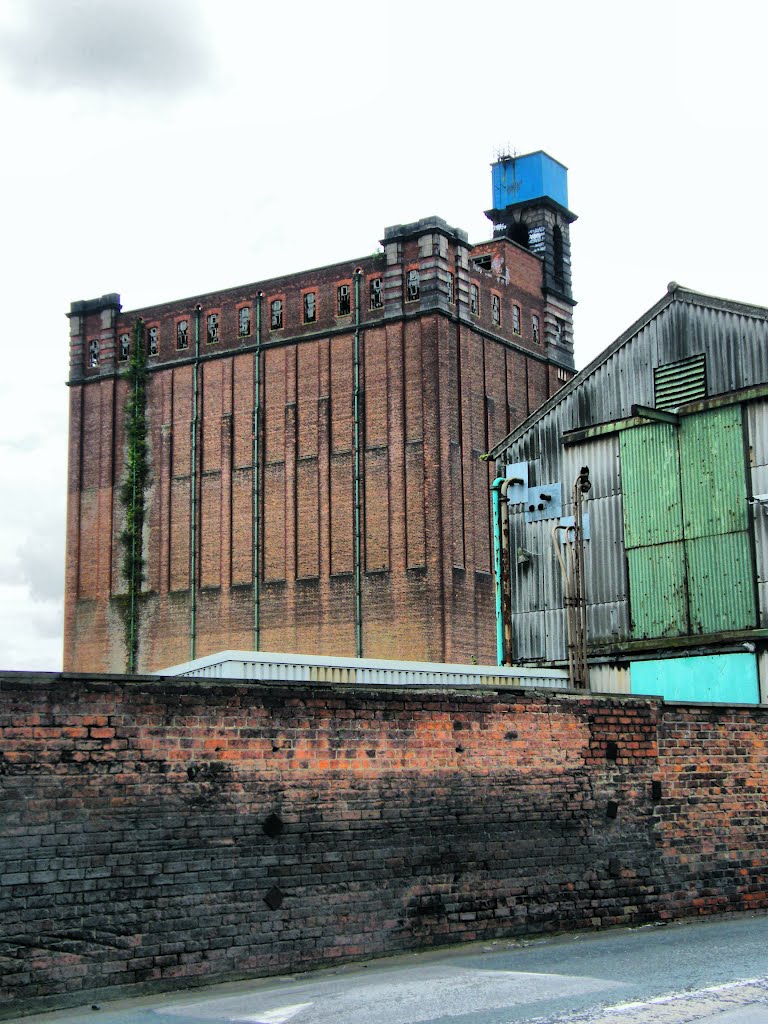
<point x="713" y="678"/>
<point x="650" y="485"/>
<point x="657" y="591"/>
<point x="721" y="593"/>
<point x="712" y="472"/>
<point x="531" y="176"/>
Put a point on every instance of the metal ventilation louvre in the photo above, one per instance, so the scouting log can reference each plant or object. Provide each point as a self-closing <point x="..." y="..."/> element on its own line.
<point x="678" y="383"/>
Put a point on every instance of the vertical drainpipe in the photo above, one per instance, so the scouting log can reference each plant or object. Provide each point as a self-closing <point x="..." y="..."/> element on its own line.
<point x="193" y="495"/>
<point x="356" y="469"/>
<point x="256" y="470"/>
<point x="138" y="339"/>
<point x="497" y="565"/>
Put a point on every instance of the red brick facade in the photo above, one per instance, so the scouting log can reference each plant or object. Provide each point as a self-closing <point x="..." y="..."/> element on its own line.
<point x="441" y="376"/>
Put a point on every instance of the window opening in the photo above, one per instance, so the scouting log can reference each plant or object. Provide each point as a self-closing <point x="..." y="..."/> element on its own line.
<point x="93" y="353"/>
<point x="412" y="290"/>
<point x="535" y="329"/>
<point x="562" y="374"/>
<point x="451" y="293"/>
<point x="557" y="239"/>
<point x="496" y="309"/>
<point x="276" y="314"/>
<point x="182" y="338"/>
<point x="519" y="233"/>
<point x="124" y="349"/>
<point x="482" y="262"/>
<point x="559" y="328"/>
<point x="153" y="342"/>
<point x="516" y="319"/>
<point x="244" y="321"/>
<point x="377" y="295"/>
<point x="213" y="328"/>
<point x="343" y="299"/>
<point x="310" y="308"/>
<point x="474" y="299"/>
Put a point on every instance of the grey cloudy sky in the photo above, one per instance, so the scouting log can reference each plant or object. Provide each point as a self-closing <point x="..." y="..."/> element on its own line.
<point x="160" y="148"/>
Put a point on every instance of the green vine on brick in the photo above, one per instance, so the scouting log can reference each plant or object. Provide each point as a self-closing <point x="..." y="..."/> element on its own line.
<point x="133" y="490"/>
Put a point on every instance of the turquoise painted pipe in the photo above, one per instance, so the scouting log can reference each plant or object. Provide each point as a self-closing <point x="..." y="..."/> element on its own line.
<point x="496" y="492"/>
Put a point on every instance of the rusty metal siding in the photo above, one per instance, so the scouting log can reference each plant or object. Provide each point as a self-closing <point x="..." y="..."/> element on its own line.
<point x="757" y="428"/>
<point x="657" y="591"/>
<point x="651" y="485"/>
<point x="712" y="472"/>
<point x="715" y="515"/>
<point x="720" y="590"/>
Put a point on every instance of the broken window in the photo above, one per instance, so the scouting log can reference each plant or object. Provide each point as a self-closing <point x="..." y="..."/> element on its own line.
<point x="412" y="287"/>
<point x="496" y="309"/>
<point x="377" y="295"/>
<point x="276" y="314"/>
<point x="213" y="328"/>
<point x="557" y="244"/>
<point x="474" y="299"/>
<point x="244" y="321"/>
<point x="153" y="341"/>
<point x="310" y="307"/>
<point x="559" y="328"/>
<point x="535" y="329"/>
<point x="516" y="319"/>
<point x="482" y="262"/>
<point x="451" y="298"/>
<point x="182" y="338"/>
<point x="343" y="299"/>
<point x="124" y="349"/>
<point x="93" y="353"/>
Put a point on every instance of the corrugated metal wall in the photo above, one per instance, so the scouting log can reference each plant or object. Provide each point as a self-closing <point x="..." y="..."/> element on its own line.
<point x="736" y="347"/>
<point x="537" y="584"/>
<point x="757" y="426"/>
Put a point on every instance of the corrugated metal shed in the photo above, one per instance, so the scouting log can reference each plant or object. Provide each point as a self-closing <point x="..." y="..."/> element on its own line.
<point x="713" y="533"/>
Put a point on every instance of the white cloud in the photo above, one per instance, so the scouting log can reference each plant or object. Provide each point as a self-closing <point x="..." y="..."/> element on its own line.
<point x="125" y="47"/>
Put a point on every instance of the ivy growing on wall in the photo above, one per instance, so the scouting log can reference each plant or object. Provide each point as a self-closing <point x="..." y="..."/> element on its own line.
<point x="133" y="490"/>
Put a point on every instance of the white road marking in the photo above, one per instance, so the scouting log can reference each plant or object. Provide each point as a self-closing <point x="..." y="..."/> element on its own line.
<point x="278" y="1016"/>
<point x="679" y="1007"/>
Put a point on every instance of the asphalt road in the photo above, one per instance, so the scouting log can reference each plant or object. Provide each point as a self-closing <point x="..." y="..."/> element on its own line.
<point x="715" y="971"/>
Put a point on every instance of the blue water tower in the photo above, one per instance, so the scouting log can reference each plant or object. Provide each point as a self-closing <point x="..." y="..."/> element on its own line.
<point x="530" y="208"/>
<point x="523" y="179"/>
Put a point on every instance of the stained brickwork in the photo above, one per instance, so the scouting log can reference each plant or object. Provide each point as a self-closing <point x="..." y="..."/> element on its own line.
<point x="156" y="832"/>
<point x="438" y="382"/>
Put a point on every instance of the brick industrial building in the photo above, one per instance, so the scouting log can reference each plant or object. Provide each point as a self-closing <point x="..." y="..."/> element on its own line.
<point x="315" y="443"/>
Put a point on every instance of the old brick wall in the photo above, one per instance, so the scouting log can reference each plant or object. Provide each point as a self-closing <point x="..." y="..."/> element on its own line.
<point x="438" y="386"/>
<point x="166" y="832"/>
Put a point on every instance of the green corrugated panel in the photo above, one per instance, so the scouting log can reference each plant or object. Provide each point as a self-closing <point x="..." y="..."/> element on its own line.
<point x="650" y="484"/>
<point x="712" y="472"/>
<point x="678" y="383"/>
<point x="721" y="595"/>
<point x="657" y="591"/>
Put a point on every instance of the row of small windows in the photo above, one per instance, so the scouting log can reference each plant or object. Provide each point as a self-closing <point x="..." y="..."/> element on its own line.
<point x="276" y="307"/>
<point x="309" y="310"/>
<point x="474" y="307"/>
